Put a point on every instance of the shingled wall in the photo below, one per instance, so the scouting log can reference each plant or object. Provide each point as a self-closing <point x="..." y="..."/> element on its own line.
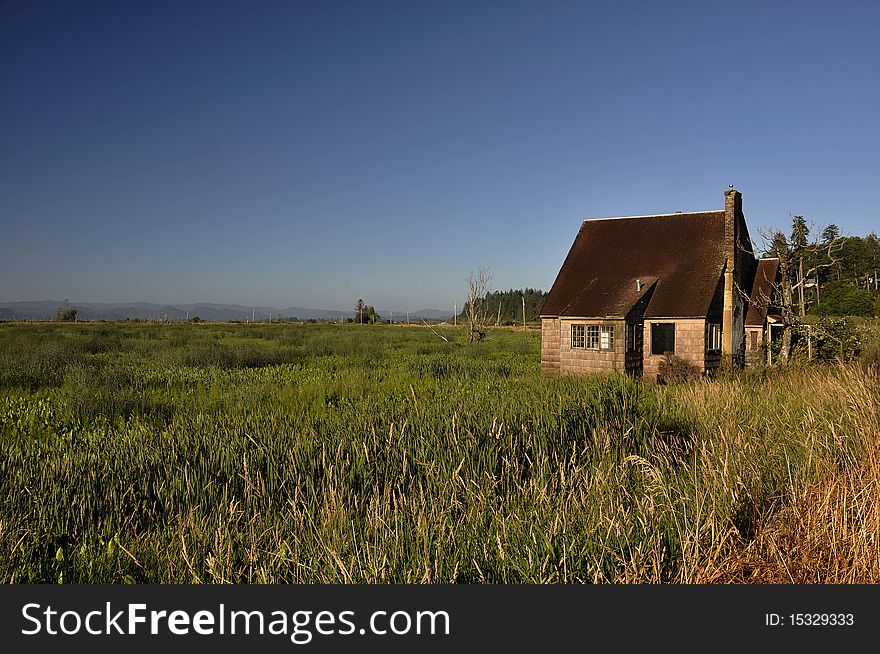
<point x="690" y="344"/>
<point x="550" y="343"/>
<point x="582" y="360"/>
<point x="557" y="353"/>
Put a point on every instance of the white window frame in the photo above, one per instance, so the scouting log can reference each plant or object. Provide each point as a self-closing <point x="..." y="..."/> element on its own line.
<point x="713" y="337"/>
<point x="578" y="340"/>
<point x="592" y="342"/>
<point x="606" y="337"/>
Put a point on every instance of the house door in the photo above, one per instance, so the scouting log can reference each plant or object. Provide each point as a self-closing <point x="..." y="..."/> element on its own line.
<point x="635" y="336"/>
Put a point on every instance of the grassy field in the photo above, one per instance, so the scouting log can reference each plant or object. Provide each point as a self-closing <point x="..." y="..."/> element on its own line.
<point x="328" y="453"/>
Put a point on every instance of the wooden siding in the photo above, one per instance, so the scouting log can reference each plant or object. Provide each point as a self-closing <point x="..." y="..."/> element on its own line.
<point x="635" y="359"/>
<point x="755" y="356"/>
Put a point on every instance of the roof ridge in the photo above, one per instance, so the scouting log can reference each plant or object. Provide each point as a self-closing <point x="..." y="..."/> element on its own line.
<point x="656" y="215"/>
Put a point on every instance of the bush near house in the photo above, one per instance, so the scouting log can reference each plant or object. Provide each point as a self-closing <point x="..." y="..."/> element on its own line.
<point x="831" y="338"/>
<point x="676" y="370"/>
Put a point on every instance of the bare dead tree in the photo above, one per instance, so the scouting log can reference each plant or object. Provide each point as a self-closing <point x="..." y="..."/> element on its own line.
<point x="781" y="293"/>
<point x="435" y="332"/>
<point x="827" y="256"/>
<point x="476" y="308"/>
<point x="787" y="304"/>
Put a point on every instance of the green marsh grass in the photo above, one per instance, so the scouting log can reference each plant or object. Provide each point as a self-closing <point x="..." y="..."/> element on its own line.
<point x="329" y="453"/>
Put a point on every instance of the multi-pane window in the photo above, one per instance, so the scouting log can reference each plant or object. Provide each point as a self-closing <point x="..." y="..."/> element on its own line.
<point x="607" y="338"/>
<point x="592" y="337"/>
<point x="577" y="336"/>
<point x="713" y="337"/>
<point x="634" y="336"/>
<point x="662" y="337"/>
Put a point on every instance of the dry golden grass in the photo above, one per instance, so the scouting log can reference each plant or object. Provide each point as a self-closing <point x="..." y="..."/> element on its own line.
<point x="829" y="533"/>
<point x="825" y="527"/>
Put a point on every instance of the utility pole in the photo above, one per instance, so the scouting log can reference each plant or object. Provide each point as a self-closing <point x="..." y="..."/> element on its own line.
<point x="524" y="311"/>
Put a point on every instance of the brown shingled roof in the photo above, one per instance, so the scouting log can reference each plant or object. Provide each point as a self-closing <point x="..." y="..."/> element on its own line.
<point x="762" y="291"/>
<point x="680" y="256"/>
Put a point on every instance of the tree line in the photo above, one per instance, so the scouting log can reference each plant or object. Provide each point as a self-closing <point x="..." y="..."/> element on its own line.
<point x="825" y="274"/>
<point x="830" y="274"/>
<point x="505" y="308"/>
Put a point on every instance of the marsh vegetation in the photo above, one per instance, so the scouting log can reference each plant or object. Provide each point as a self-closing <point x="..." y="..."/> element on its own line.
<point x="330" y="453"/>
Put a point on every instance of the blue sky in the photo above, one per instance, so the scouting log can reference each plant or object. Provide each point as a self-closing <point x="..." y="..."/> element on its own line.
<point x="284" y="153"/>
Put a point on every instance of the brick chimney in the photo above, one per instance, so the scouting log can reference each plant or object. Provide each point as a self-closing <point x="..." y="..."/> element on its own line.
<point x="732" y="317"/>
<point x="733" y="207"/>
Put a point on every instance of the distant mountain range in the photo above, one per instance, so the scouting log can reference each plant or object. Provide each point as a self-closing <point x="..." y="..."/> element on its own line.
<point x="46" y="310"/>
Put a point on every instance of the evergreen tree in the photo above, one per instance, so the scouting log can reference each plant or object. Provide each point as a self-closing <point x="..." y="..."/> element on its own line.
<point x="506" y="307"/>
<point x="830" y="233"/>
<point x="800" y="236"/>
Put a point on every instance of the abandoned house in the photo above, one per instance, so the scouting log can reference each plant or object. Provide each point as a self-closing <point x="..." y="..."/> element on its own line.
<point x="634" y="289"/>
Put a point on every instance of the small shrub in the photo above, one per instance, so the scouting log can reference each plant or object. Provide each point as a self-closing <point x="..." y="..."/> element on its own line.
<point x="65" y="314"/>
<point x="675" y="370"/>
<point x="836" y="338"/>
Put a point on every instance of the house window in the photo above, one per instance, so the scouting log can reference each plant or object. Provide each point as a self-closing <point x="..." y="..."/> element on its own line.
<point x="754" y="341"/>
<point x="663" y="338"/>
<point x="713" y="337"/>
<point x="592" y="337"/>
<point x="632" y="336"/>
<point x="577" y="337"/>
<point x="606" y="338"/>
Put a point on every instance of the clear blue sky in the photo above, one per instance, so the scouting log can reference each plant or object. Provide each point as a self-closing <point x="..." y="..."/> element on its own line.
<point x="283" y="153"/>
